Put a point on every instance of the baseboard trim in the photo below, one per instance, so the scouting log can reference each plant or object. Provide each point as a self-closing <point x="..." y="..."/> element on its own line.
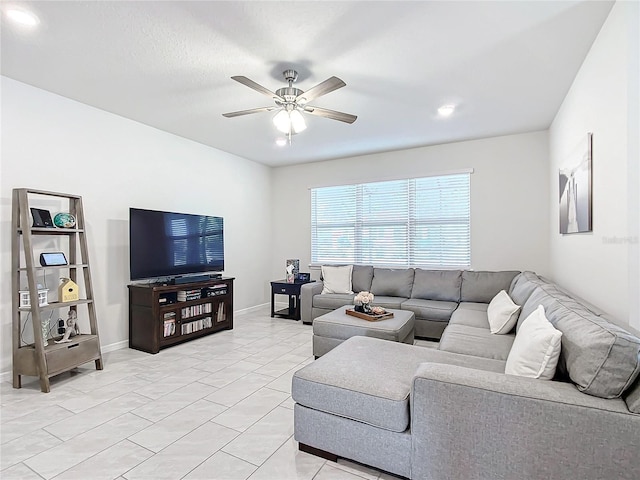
<point x="255" y="308"/>
<point x="115" y="346"/>
<point x="6" y="376"/>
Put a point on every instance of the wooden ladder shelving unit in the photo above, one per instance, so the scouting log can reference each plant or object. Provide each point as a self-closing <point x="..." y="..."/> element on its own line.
<point x="36" y="359"/>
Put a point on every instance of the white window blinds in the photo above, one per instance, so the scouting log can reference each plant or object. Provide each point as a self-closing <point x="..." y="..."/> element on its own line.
<point x="417" y="222"/>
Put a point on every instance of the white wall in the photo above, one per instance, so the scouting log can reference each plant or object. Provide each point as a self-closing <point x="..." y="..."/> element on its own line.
<point x="604" y="100"/>
<point x="53" y="143"/>
<point x="509" y="197"/>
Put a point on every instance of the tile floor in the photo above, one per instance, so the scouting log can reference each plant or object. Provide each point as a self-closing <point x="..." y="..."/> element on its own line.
<point x="215" y="408"/>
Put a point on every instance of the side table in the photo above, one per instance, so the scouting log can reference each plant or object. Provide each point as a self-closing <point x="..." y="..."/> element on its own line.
<point x="292" y="290"/>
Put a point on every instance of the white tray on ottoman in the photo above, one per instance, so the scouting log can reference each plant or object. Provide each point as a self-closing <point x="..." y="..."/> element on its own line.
<point x="333" y="328"/>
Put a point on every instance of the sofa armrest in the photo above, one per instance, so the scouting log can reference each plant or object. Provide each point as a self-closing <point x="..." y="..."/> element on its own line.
<point x="473" y="424"/>
<point x="307" y="292"/>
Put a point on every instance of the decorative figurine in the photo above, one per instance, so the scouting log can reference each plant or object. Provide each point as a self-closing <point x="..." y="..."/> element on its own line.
<point x="70" y="328"/>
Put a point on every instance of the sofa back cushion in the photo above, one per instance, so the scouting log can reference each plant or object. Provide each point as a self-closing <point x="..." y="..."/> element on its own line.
<point x="481" y="287"/>
<point x="392" y="283"/>
<point x="437" y="285"/>
<point x="361" y="278"/>
<point x="601" y="358"/>
<point x="523" y="286"/>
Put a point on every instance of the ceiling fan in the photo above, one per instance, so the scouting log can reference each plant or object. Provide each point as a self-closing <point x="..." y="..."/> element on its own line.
<point x="291" y="102"/>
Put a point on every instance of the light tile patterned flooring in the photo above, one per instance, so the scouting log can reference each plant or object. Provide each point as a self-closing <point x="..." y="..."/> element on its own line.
<point x="215" y="408"/>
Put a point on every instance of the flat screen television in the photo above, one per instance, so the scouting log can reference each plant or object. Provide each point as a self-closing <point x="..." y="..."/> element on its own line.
<point x="168" y="244"/>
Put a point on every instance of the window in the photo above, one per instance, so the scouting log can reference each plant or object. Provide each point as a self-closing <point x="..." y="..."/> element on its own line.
<point x="417" y="222"/>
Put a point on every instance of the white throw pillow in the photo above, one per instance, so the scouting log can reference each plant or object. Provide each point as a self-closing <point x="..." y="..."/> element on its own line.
<point x="502" y="313"/>
<point x="337" y="279"/>
<point x="536" y="349"/>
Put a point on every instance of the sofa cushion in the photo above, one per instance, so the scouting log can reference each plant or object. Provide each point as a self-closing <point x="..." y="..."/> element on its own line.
<point x="601" y="358"/>
<point x="478" y="342"/>
<point x="388" y="302"/>
<point x="369" y="380"/>
<point x="483" y="286"/>
<point x="361" y="278"/>
<point x="430" y="309"/>
<point x="332" y="300"/>
<point x="392" y="283"/>
<point x="337" y="279"/>
<point x="471" y="314"/>
<point x="523" y="286"/>
<point x="536" y="349"/>
<point x="437" y="285"/>
<point x="502" y="313"/>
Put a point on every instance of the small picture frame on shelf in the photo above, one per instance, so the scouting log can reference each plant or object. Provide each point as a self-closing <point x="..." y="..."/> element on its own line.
<point x="293" y="266"/>
<point x="41" y="218"/>
<point x="304" y="277"/>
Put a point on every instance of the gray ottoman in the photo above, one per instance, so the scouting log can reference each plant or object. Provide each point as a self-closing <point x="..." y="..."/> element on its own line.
<point x="333" y="328"/>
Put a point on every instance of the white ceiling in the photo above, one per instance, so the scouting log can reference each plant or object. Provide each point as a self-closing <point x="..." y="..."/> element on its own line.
<point x="507" y="65"/>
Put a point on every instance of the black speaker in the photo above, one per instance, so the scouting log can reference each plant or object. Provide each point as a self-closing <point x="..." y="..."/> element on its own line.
<point x="190" y="279"/>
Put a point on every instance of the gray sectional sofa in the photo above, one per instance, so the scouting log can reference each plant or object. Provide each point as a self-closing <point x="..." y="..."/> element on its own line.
<point x="452" y="412"/>
<point x="432" y="295"/>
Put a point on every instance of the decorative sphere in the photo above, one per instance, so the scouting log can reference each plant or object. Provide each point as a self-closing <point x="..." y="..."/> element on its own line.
<point x="64" y="220"/>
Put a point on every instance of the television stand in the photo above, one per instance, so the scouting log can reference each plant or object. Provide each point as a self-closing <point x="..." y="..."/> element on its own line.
<point x="164" y="315"/>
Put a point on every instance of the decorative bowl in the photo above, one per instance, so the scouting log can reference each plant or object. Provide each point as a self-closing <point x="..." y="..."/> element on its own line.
<point x="64" y="220"/>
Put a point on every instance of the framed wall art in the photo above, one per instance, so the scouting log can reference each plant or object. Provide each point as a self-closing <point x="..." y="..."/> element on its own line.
<point x="575" y="182"/>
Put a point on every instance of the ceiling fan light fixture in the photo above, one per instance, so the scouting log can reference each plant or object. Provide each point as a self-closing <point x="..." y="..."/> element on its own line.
<point x="446" y="110"/>
<point x="297" y="121"/>
<point x="23" y="17"/>
<point x="291" y="103"/>
<point x="282" y="121"/>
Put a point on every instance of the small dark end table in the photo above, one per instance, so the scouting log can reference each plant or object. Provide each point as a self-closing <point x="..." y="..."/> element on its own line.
<point x="292" y="290"/>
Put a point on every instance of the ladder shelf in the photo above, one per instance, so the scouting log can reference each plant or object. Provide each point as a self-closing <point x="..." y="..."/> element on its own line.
<point x="36" y="358"/>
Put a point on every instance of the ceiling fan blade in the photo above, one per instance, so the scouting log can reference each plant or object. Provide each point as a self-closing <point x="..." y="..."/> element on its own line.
<point x="332" y="114"/>
<point x="329" y="85"/>
<point x="247" y="112"/>
<point x="257" y="87"/>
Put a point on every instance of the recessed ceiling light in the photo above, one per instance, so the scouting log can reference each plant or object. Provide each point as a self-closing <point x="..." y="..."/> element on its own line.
<point x="281" y="142"/>
<point x="446" y="110"/>
<point x="23" y="17"/>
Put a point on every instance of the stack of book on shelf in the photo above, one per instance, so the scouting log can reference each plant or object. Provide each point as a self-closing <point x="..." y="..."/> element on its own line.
<point x="194" y="310"/>
<point x="215" y="290"/>
<point x="169" y="324"/>
<point x="221" y="316"/>
<point x="196" y="325"/>
<point x="186" y="295"/>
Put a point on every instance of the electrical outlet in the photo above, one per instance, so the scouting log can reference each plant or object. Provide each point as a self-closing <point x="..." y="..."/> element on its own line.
<point x="60" y="326"/>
